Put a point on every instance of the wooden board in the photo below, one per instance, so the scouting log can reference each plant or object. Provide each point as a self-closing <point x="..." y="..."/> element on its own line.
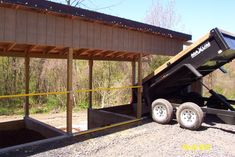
<point x="28" y="27"/>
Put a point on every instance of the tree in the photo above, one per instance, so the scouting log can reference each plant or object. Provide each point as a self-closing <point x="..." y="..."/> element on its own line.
<point x="73" y="2"/>
<point x="163" y="15"/>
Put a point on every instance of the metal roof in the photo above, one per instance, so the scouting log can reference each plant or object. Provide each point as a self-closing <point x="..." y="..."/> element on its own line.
<point x="47" y="6"/>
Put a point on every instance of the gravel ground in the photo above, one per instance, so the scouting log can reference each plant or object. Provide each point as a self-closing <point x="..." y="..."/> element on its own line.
<point x="152" y="139"/>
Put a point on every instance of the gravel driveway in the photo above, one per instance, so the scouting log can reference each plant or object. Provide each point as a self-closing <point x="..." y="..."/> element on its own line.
<point x="152" y="139"/>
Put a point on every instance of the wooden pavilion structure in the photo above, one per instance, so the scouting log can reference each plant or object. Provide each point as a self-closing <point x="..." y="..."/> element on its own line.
<point x="43" y="29"/>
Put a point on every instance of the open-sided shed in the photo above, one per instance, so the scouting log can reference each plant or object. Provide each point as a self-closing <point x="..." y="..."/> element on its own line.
<point x="43" y="29"/>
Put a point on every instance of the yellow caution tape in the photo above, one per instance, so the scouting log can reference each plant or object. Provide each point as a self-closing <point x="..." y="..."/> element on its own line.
<point x="107" y="127"/>
<point x="66" y="92"/>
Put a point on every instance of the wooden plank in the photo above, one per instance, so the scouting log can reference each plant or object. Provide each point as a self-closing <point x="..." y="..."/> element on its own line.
<point x="32" y="27"/>
<point x="115" y="46"/>
<point x="69" y="88"/>
<point x="90" y="82"/>
<point x="21" y="26"/>
<point x="68" y="33"/>
<point x="83" y="35"/>
<point x="12" y="125"/>
<point x="50" y="37"/>
<point x="90" y="35"/>
<point x="10" y="25"/>
<point x="139" y="96"/>
<point x="126" y="40"/>
<point x="103" y="39"/>
<point x="120" y="39"/>
<point x="2" y="22"/>
<point x="11" y="46"/>
<point x="109" y="38"/>
<point x="133" y="68"/>
<point x="27" y="73"/>
<point x="41" y="29"/>
<point x="97" y="36"/>
<point x="42" y="128"/>
<point x="76" y="33"/>
<point x="59" y="35"/>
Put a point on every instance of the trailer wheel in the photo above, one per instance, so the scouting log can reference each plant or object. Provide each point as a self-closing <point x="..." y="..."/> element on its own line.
<point x="162" y="111"/>
<point x="189" y="115"/>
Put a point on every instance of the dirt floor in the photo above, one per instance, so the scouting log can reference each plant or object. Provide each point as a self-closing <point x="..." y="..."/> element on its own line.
<point x="152" y="139"/>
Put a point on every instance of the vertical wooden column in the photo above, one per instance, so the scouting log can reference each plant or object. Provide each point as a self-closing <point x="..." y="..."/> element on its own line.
<point x="133" y="65"/>
<point x="26" y="64"/>
<point x="90" y="82"/>
<point x="69" y="88"/>
<point x="139" y="96"/>
<point x="90" y="93"/>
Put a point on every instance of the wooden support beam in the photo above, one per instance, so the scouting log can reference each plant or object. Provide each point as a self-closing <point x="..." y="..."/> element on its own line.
<point x="65" y="50"/>
<point x="10" y="47"/>
<point x="133" y="65"/>
<point x="81" y="52"/>
<point x="90" y="82"/>
<point x="48" y="49"/>
<point x="30" y="48"/>
<point x="90" y="93"/>
<point x="111" y="53"/>
<point x="27" y="66"/>
<point x="139" y="96"/>
<point x="69" y="88"/>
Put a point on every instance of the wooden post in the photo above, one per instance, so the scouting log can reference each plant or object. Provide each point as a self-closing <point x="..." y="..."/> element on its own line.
<point x="139" y="96"/>
<point x="69" y="88"/>
<point x="90" y="93"/>
<point x="90" y="82"/>
<point x="133" y="65"/>
<point x="26" y="105"/>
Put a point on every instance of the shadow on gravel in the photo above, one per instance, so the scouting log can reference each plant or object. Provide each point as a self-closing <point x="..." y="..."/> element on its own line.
<point x="212" y="121"/>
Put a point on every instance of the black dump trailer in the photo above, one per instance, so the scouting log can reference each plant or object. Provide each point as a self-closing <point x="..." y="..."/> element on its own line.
<point x="167" y="91"/>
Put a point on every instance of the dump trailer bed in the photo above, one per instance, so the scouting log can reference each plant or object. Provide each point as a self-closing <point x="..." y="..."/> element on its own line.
<point x="173" y="79"/>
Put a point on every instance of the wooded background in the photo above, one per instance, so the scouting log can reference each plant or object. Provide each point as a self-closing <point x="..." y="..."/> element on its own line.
<point x="49" y="75"/>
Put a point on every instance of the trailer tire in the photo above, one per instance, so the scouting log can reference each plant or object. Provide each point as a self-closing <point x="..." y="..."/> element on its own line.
<point x="162" y="111"/>
<point x="189" y="115"/>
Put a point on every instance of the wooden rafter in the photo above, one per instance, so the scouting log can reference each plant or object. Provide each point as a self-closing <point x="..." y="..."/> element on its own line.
<point x="48" y="49"/>
<point x="98" y="53"/>
<point x="10" y="47"/>
<point x="64" y="51"/>
<point x="122" y="54"/>
<point x="81" y="52"/>
<point x="31" y="47"/>
<point x="112" y="54"/>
